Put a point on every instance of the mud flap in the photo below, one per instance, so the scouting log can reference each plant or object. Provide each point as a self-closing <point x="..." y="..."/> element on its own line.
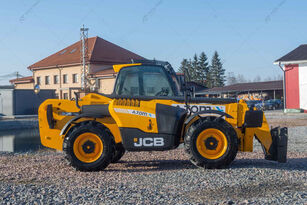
<point x="278" y="149"/>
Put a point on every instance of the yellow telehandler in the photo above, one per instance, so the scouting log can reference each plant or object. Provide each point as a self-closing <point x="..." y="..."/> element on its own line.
<point x="148" y="112"/>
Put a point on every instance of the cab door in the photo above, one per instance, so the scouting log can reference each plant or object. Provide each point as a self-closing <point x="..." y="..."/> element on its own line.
<point x="134" y="106"/>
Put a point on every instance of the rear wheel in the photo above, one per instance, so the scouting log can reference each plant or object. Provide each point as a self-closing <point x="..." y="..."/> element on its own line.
<point x="211" y="143"/>
<point x="89" y="147"/>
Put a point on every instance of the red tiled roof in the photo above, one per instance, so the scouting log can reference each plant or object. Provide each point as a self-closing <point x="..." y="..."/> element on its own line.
<point x="100" y="51"/>
<point x="240" y="87"/>
<point x="28" y="79"/>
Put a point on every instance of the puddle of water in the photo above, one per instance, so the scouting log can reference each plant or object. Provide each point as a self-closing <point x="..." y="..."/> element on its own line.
<point x="20" y="140"/>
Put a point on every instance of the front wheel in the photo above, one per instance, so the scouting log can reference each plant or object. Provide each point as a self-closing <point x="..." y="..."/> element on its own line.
<point x="89" y="147"/>
<point x="211" y="143"/>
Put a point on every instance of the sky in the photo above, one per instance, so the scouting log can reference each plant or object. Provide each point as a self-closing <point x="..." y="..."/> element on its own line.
<point x="248" y="35"/>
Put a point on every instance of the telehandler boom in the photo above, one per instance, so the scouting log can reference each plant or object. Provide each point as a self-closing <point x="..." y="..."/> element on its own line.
<point x="147" y="112"/>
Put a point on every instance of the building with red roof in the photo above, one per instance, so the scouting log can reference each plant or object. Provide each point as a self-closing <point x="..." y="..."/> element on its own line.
<point x="294" y="66"/>
<point x="62" y="70"/>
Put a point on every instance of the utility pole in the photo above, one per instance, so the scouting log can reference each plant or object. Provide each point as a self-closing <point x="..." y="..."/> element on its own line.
<point x="84" y="57"/>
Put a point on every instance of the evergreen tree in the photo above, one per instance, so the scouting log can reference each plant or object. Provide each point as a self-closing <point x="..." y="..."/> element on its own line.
<point x="194" y="70"/>
<point x="203" y="69"/>
<point x="183" y="66"/>
<point x="209" y="78"/>
<point x="190" y="70"/>
<point x="217" y="71"/>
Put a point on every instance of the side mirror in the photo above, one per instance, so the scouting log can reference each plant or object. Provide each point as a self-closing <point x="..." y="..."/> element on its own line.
<point x="37" y="89"/>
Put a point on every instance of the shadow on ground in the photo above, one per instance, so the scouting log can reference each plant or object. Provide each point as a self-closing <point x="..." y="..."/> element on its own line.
<point x="151" y="165"/>
<point x="299" y="164"/>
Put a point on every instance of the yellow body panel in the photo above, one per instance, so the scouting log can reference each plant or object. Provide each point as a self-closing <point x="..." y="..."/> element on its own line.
<point x="51" y="137"/>
<point x="117" y="68"/>
<point x="130" y="116"/>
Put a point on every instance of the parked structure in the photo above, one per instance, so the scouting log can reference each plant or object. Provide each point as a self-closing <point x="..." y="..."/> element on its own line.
<point x="62" y="70"/>
<point x="247" y="91"/>
<point x="294" y="67"/>
<point x="22" y="102"/>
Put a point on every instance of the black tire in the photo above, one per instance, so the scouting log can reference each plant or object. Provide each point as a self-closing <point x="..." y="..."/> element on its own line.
<point x="119" y="153"/>
<point x="198" y="127"/>
<point x="101" y="132"/>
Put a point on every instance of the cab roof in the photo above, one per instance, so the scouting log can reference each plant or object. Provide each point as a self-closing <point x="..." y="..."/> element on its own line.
<point x="164" y="64"/>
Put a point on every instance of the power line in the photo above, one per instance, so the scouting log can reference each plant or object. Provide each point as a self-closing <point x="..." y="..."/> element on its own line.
<point x="10" y="75"/>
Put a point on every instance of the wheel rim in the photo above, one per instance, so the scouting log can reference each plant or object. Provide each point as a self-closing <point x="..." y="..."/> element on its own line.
<point x="211" y="143"/>
<point x="88" y="147"/>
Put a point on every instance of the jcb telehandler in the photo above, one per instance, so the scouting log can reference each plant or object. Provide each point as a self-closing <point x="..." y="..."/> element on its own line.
<point x="147" y="112"/>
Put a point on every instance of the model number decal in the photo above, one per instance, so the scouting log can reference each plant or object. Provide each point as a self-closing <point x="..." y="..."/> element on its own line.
<point x="149" y="142"/>
<point x="135" y="112"/>
<point x="201" y="107"/>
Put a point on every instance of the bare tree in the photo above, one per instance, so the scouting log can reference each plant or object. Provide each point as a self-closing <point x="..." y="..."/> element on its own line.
<point x="231" y="78"/>
<point x="257" y="78"/>
<point x="241" y="78"/>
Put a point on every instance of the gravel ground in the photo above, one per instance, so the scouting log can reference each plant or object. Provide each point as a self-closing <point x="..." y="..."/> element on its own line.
<point x="153" y="178"/>
<point x="44" y="177"/>
<point x="278" y="118"/>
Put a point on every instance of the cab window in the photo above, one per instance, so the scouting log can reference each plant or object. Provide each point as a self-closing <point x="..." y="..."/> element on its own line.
<point x="143" y="81"/>
<point x="128" y="82"/>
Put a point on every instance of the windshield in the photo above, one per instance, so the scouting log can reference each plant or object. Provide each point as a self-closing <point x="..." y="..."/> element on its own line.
<point x="146" y="80"/>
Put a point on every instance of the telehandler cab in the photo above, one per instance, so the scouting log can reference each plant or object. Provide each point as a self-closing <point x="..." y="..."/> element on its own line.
<point x="147" y="112"/>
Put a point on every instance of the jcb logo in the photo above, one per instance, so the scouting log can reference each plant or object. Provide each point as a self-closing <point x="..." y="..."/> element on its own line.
<point x="148" y="142"/>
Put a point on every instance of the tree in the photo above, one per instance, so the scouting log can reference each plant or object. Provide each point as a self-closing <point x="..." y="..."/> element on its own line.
<point x="200" y="71"/>
<point x="231" y="79"/>
<point x="268" y="78"/>
<point x="257" y="78"/>
<point x="203" y="69"/>
<point x="190" y="71"/>
<point x="194" y="70"/>
<point x="217" y="72"/>
<point x="241" y="78"/>
<point x="183" y="66"/>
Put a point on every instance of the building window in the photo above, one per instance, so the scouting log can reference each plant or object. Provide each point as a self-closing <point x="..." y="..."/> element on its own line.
<point x="47" y="80"/>
<point x="65" y="96"/>
<point x="65" y="78"/>
<point x="74" y="78"/>
<point x="55" y="79"/>
<point x="38" y="80"/>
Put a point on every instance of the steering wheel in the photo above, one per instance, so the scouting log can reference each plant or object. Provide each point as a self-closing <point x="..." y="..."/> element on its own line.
<point x="162" y="92"/>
